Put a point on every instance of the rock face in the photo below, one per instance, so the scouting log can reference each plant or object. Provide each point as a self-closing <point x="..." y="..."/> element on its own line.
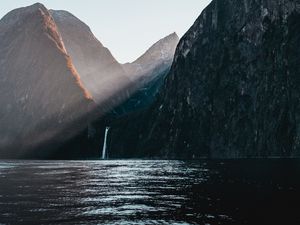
<point x="156" y="59"/>
<point x="147" y="74"/>
<point x="101" y="74"/>
<point x="233" y="90"/>
<point x="41" y="94"/>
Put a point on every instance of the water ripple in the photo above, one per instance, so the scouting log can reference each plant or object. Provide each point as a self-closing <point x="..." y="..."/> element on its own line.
<point x="132" y="192"/>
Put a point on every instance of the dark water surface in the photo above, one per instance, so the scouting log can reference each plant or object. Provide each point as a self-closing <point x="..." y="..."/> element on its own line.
<point x="150" y="192"/>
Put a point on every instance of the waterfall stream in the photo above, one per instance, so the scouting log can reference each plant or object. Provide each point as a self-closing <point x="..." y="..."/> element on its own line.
<point x="104" y="144"/>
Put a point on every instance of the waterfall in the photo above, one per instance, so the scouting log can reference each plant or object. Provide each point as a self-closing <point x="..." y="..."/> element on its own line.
<point x="104" y="144"/>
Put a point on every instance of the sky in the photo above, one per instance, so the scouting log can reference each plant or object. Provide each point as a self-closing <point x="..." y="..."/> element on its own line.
<point x="126" y="27"/>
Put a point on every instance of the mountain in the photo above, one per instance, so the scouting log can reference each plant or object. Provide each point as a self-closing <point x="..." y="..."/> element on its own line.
<point x="156" y="59"/>
<point x="41" y="93"/>
<point x="147" y="73"/>
<point x="233" y="89"/>
<point x="100" y="72"/>
<point x="156" y="63"/>
<point x="109" y="82"/>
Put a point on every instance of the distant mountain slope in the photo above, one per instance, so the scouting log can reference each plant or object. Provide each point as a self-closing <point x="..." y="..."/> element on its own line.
<point x="101" y="74"/>
<point x="41" y="93"/>
<point x="156" y="59"/>
<point x="148" y="73"/>
<point x="233" y="90"/>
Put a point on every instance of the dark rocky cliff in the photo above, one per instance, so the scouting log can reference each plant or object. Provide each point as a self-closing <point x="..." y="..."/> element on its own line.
<point x="233" y="90"/>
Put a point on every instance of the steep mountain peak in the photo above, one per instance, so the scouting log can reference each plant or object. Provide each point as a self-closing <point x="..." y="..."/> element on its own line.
<point x="157" y="58"/>
<point x="172" y="36"/>
<point x="30" y="8"/>
<point x="35" y="16"/>
<point x="36" y="5"/>
<point x="37" y="19"/>
<point x="14" y="16"/>
<point x="163" y="49"/>
<point x="41" y="91"/>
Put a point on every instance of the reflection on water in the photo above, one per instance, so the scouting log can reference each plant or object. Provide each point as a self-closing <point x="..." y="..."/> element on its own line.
<point x="149" y="192"/>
